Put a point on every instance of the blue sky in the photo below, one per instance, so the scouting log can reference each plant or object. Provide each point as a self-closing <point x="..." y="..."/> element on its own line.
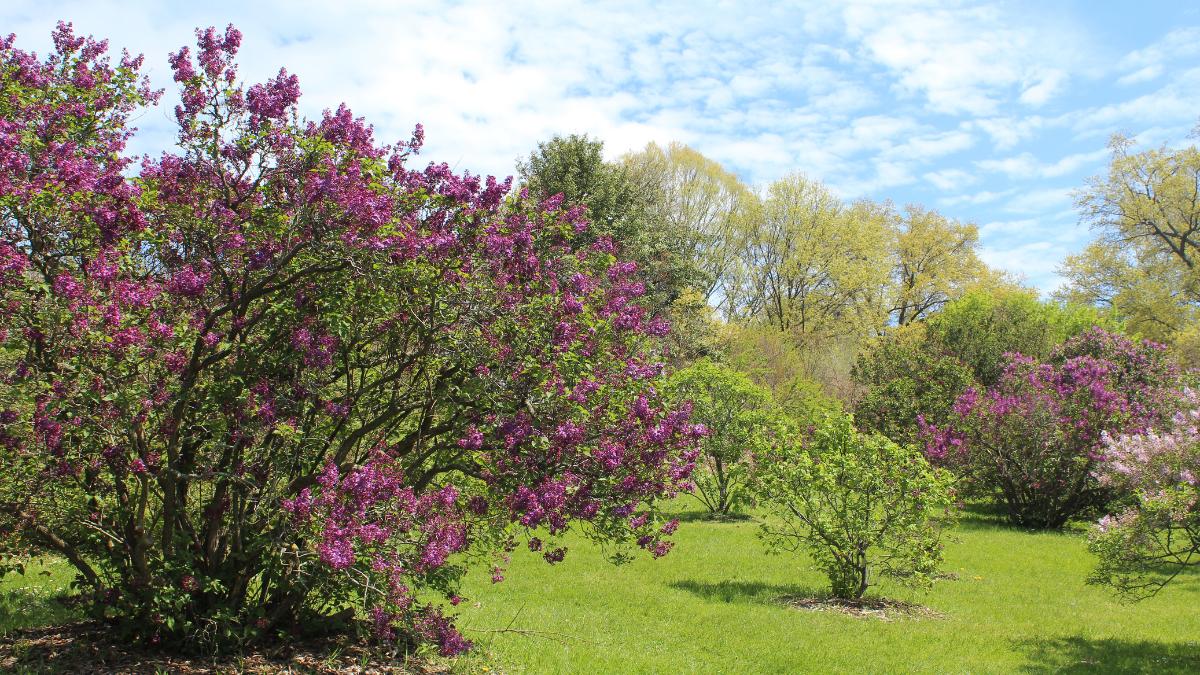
<point x="990" y="112"/>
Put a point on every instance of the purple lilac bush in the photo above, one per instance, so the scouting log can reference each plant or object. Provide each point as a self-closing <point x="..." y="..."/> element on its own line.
<point x="277" y="373"/>
<point x="1036" y="438"/>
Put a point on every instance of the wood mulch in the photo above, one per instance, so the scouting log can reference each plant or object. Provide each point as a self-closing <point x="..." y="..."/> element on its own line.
<point x="881" y="609"/>
<point x="86" y="648"/>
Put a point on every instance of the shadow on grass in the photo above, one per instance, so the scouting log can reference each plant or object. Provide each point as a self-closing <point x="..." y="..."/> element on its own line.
<point x="89" y="647"/>
<point x="1109" y="655"/>
<point x="24" y="608"/>
<point x="700" y="516"/>
<point x="980" y="516"/>
<point x="746" y="591"/>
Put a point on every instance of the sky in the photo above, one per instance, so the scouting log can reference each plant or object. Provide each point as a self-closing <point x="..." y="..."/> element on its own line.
<point x="992" y="113"/>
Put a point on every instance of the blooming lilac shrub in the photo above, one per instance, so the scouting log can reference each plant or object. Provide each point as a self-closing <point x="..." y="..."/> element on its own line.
<point x="1035" y="438"/>
<point x="859" y="504"/>
<point x="276" y="378"/>
<point x="1147" y="544"/>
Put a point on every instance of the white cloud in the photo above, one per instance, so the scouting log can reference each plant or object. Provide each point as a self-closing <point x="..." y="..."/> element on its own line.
<point x="1148" y="63"/>
<point x="905" y="99"/>
<point x="950" y="179"/>
<point x="1025" y="166"/>
<point x="965" y="59"/>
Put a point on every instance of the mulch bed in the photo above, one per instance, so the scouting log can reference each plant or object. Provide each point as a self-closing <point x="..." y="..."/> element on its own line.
<point x="86" y="648"/>
<point x="881" y="609"/>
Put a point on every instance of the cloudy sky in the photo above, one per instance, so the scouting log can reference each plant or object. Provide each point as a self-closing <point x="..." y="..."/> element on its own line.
<point x="989" y="112"/>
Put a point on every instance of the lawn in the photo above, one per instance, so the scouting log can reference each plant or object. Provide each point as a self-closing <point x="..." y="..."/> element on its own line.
<point x="1018" y="604"/>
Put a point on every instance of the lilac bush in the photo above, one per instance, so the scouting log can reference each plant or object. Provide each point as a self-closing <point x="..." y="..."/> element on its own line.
<point x="1036" y="437"/>
<point x="276" y="378"/>
<point x="1144" y="546"/>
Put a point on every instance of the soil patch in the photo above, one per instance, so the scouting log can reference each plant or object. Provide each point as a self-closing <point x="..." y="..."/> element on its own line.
<point x="87" y="648"/>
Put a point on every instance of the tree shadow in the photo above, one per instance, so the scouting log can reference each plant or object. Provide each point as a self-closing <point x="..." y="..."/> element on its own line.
<point x="1109" y="655"/>
<point x="702" y="516"/>
<point x="750" y="592"/>
<point x="982" y="516"/>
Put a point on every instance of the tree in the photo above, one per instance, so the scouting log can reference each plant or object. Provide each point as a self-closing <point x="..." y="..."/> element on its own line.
<point x="773" y="362"/>
<point x="1157" y="537"/>
<point x="982" y="326"/>
<point x="906" y="382"/>
<point x="736" y="414"/>
<point x="861" y="505"/>
<point x="934" y="260"/>
<point x="622" y="205"/>
<point x="276" y="375"/>
<point x="815" y="266"/>
<point x="1151" y="196"/>
<point x="1144" y="286"/>
<point x="703" y="203"/>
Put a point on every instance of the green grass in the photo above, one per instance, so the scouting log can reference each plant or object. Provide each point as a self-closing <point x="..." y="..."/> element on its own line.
<point x="34" y="599"/>
<point x="1019" y="604"/>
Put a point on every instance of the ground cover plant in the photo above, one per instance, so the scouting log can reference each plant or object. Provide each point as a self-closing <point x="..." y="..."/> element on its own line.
<point x="274" y="378"/>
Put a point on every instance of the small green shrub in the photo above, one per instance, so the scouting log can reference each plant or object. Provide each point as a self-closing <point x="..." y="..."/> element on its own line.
<point x="735" y="412"/>
<point x="859" y="504"/>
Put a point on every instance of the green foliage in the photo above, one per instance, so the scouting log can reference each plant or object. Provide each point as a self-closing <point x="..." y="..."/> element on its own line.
<point x="859" y="505"/>
<point x="702" y="204"/>
<point x="982" y="326"/>
<point x="906" y="381"/>
<point x="814" y="266"/>
<point x="622" y="204"/>
<point x="776" y="363"/>
<point x="935" y="262"/>
<point x="736" y="413"/>
<point x="1149" y="289"/>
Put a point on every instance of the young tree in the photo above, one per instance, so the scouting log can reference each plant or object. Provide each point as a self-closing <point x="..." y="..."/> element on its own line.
<point x="277" y="375"/>
<point x="736" y="414"/>
<point x="860" y="505"/>
<point x="1152" y="541"/>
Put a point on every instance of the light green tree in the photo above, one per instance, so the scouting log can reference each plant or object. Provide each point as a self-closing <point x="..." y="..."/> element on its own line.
<point x="860" y="505"/>
<point x="934" y="260"/>
<point x="815" y="266"/>
<point x="703" y="204"/>
<point x="737" y="413"/>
